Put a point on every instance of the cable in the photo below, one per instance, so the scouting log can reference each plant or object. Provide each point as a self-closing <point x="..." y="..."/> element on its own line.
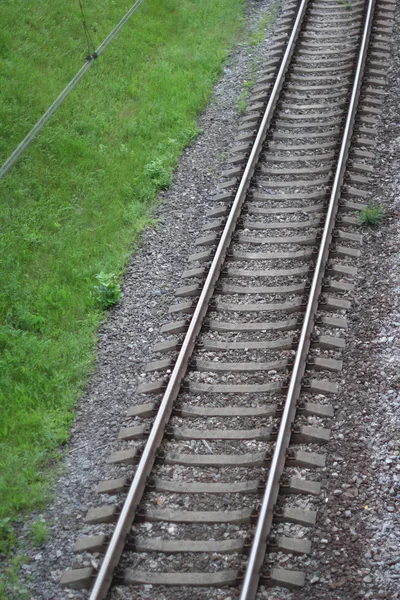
<point x="89" y="41"/>
<point x="12" y="159"/>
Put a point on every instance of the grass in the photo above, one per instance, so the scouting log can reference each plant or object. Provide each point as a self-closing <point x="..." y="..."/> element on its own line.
<point x="73" y="207"/>
<point x="10" y="587"/>
<point x="372" y="215"/>
<point x="38" y="532"/>
<point x="244" y="96"/>
<point x="347" y="5"/>
<point x="7" y="535"/>
<point x="258" y="35"/>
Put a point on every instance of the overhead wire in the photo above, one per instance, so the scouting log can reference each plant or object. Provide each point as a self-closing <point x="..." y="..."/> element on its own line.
<point x="89" y="41"/>
<point x="12" y="159"/>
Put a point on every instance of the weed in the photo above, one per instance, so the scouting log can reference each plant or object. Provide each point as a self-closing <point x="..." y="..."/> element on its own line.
<point x="371" y="215"/>
<point x="242" y="102"/>
<point x="10" y="588"/>
<point x="221" y="156"/>
<point x="346" y="4"/>
<point x="257" y="36"/>
<point x="188" y="135"/>
<point x="39" y="532"/>
<point x="7" y="535"/>
<point x="159" y="174"/>
<point x="244" y="96"/>
<point x="108" y="290"/>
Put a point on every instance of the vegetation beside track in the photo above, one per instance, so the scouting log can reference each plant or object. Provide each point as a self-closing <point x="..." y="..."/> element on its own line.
<point x="73" y="206"/>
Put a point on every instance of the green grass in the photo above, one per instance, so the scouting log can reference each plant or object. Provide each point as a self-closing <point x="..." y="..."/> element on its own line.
<point x="347" y="5"/>
<point x="258" y="35"/>
<point x="38" y="532"/>
<point x="372" y="215"/>
<point x="244" y="97"/>
<point x="10" y="587"/>
<point x="72" y="208"/>
<point x="255" y="38"/>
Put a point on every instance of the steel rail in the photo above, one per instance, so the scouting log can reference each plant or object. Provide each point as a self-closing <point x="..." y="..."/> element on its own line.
<point x="260" y="540"/>
<point x="125" y="520"/>
<point x="12" y="159"/>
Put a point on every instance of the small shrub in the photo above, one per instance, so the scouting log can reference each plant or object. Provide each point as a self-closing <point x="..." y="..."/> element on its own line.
<point x="39" y="532"/>
<point x="371" y="215"/>
<point x="347" y="5"/>
<point x="108" y="290"/>
<point x="7" y="536"/>
<point x="188" y="135"/>
<point x="242" y="105"/>
<point x="159" y="174"/>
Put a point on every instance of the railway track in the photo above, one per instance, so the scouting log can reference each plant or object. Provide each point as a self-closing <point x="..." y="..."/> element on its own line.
<point x="227" y="443"/>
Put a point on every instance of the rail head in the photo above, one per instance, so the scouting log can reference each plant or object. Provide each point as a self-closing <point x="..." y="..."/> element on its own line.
<point x="258" y="549"/>
<point x="123" y="526"/>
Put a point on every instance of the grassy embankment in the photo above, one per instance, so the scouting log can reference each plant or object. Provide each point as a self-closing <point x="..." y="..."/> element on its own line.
<point x="76" y="201"/>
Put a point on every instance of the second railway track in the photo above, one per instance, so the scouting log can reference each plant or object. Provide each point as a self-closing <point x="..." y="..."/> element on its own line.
<point x="227" y="445"/>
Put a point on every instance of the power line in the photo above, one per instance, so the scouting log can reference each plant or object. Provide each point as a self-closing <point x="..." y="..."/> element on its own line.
<point x="89" y="41"/>
<point x="11" y="160"/>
